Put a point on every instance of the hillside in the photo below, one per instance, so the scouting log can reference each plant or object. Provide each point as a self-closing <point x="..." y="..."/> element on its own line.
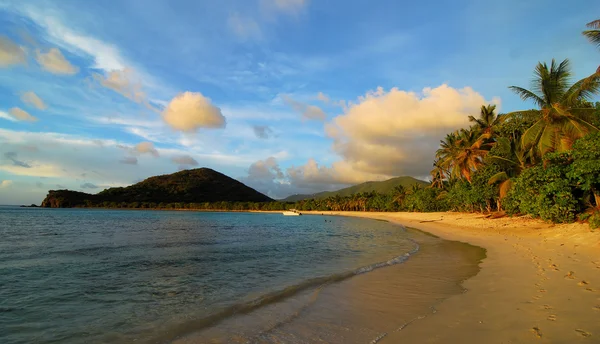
<point x="189" y="186"/>
<point x="383" y="187"/>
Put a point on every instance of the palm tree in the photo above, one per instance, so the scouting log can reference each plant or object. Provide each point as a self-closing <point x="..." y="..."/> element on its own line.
<point x="438" y="174"/>
<point x="593" y="35"/>
<point x="563" y="108"/>
<point x="487" y="120"/>
<point x="471" y="149"/>
<point x="513" y="166"/>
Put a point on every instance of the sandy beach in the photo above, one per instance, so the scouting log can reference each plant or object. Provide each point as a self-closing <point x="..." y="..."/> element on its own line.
<point x="539" y="283"/>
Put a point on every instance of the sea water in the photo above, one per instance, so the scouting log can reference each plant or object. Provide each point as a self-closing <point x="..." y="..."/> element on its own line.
<point x="118" y="276"/>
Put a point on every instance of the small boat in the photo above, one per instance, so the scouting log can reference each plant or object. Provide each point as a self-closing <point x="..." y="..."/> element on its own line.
<point x="292" y="212"/>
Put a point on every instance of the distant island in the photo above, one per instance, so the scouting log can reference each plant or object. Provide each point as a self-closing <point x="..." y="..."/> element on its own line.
<point x="188" y="186"/>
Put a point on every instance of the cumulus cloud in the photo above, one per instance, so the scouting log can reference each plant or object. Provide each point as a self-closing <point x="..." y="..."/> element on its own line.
<point x="190" y="111"/>
<point x="89" y="186"/>
<point x="397" y="132"/>
<point x="12" y="156"/>
<point x="307" y="111"/>
<point x="32" y="99"/>
<point x="146" y="148"/>
<point x="244" y="27"/>
<point x="262" y="131"/>
<point x="123" y="82"/>
<point x="54" y="62"/>
<point x="21" y="115"/>
<point x="6" y="183"/>
<point x="129" y="160"/>
<point x="10" y="53"/>
<point x="184" y="161"/>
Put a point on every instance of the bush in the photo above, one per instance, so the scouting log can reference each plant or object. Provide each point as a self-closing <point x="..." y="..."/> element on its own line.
<point x="595" y="220"/>
<point x="545" y="192"/>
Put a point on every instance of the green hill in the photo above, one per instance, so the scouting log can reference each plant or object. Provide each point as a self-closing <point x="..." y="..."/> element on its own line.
<point x="188" y="186"/>
<point x="383" y="187"/>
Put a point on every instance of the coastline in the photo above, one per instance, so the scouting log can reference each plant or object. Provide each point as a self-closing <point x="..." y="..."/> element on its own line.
<point x="539" y="283"/>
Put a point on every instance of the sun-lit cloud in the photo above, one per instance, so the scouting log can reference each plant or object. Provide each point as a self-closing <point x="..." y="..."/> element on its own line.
<point x="11" y="53"/>
<point x="391" y="133"/>
<point x="21" y="115"/>
<point x="30" y="98"/>
<point x="106" y="56"/>
<point x="54" y="62"/>
<point x="146" y="148"/>
<point x="191" y="111"/>
<point x="310" y="112"/>
<point x="123" y="82"/>
<point x="6" y="183"/>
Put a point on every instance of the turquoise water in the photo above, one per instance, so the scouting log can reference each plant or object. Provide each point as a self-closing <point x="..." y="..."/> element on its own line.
<point x="89" y="276"/>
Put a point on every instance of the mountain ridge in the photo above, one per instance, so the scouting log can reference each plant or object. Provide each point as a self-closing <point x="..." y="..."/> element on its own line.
<point x="384" y="186"/>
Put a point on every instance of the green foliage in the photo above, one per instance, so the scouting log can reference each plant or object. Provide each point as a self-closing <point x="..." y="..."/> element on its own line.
<point x="545" y="192"/>
<point x="585" y="168"/>
<point x="424" y="200"/>
<point x="594" y="220"/>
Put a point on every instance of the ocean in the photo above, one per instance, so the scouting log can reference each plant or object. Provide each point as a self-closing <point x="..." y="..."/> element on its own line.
<point x="112" y="276"/>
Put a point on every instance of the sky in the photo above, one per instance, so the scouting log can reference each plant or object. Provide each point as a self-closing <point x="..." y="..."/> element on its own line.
<point x="287" y="96"/>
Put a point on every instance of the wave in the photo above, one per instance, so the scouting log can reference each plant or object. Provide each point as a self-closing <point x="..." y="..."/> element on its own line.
<point x="276" y="296"/>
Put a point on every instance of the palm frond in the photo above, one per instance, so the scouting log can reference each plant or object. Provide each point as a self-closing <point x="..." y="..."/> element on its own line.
<point x="498" y="177"/>
<point x="593" y="36"/>
<point x="526" y="94"/>
<point x="582" y="90"/>
<point x="505" y="187"/>
<point x="594" y="24"/>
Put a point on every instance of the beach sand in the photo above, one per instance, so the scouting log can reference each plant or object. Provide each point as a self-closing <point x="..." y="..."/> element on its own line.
<point x="540" y="283"/>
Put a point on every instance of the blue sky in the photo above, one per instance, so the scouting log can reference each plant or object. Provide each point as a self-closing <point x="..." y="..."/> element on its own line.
<point x="287" y="96"/>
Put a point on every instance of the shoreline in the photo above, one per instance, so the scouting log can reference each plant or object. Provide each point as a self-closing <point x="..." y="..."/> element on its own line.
<point x="539" y="282"/>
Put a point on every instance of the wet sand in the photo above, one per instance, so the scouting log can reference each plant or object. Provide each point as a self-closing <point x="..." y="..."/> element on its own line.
<point x="540" y="283"/>
<point x="366" y="308"/>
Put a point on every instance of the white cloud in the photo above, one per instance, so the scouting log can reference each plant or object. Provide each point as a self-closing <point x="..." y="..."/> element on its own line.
<point x="244" y="27"/>
<point x="21" y="115"/>
<point x="6" y="116"/>
<point x="307" y="111"/>
<point x="30" y="98"/>
<point x="146" y="148"/>
<point x="106" y="56"/>
<point x="5" y="183"/>
<point x="10" y="53"/>
<point x="397" y="132"/>
<point x="54" y="62"/>
<point x="190" y="111"/>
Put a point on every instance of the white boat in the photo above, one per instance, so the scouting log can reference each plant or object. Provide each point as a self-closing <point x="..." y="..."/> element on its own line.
<point x="292" y="212"/>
